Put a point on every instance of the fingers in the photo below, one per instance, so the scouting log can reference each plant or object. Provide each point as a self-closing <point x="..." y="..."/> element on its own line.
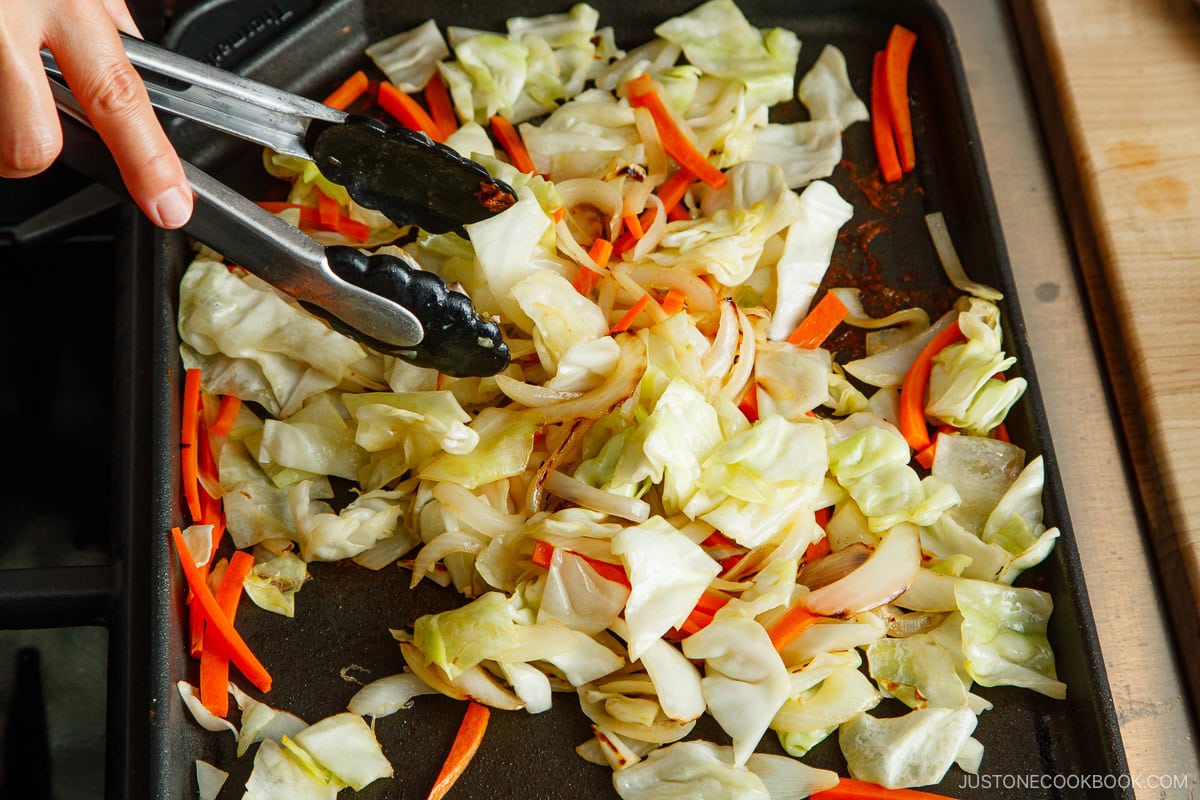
<point x="118" y="12"/>
<point x="88" y="49"/>
<point x="31" y="139"/>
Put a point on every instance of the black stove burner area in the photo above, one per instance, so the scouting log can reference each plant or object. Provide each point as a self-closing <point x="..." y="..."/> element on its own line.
<point x="62" y="635"/>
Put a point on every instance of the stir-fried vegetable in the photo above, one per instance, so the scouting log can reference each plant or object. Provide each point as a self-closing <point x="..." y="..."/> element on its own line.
<point x="675" y="501"/>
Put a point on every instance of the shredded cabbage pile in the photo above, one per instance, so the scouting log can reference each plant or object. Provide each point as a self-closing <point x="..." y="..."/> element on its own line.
<point x="586" y="500"/>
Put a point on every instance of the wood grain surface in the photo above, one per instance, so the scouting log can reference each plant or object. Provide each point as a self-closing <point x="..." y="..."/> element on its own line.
<point x="1047" y="230"/>
<point x="1126" y="74"/>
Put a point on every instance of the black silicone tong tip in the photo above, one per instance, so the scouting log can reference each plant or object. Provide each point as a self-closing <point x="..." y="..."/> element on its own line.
<point x="457" y="340"/>
<point x="406" y="175"/>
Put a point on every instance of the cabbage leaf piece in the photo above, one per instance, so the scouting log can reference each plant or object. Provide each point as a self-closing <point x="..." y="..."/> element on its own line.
<point x="689" y="769"/>
<point x="717" y="38"/>
<point x="915" y="749"/>
<point x="284" y="355"/>
<point x="745" y="681"/>
<point x="346" y="746"/>
<point x="1004" y="636"/>
<point x="460" y="638"/>
<point x="667" y="572"/>
<point x="277" y="775"/>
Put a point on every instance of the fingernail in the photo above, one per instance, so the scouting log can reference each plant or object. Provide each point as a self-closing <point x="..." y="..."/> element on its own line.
<point x="173" y="208"/>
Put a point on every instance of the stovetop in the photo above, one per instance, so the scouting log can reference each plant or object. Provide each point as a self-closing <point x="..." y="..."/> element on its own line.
<point x="58" y="545"/>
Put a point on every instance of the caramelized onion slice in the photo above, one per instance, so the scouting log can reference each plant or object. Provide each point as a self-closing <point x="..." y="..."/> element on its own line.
<point x="881" y="578"/>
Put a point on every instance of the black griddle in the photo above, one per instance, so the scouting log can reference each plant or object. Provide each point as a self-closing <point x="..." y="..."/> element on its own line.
<point x="344" y="612"/>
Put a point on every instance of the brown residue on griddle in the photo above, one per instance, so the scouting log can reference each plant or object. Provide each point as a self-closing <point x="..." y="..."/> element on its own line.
<point x="860" y="263"/>
<point x="881" y="195"/>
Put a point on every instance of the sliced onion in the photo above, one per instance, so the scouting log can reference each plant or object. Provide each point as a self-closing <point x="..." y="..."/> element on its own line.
<point x="441" y="546"/>
<point x="616" y="753"/>
<point x="917" y="318"/>
<point x="619" y="385"/>
<point x="882" y="577"/>
<point x="653" y="234"/>
<point x="388" y="695"/>
<point x="700" y="298"/>
<point x="387" y="551"/>
<point x="532" y="395"/>
<point x="204" y="718"/>
<point x="576" y="491"/>
<point x="661" y="731"/>
<point x="474" y="512"/>
<point x="430" y="674"/>
<point x="535" y="495"/>
<point x="739" y="376"/>
<point x="834" y="566"/>
<point x="889" y="367"/>
<point x="605" y="197"/>
<point x="719" y="358"/>
<point x="944" y="245"/>
<point x="478" y="684"/>
<point x="902" y="623"/>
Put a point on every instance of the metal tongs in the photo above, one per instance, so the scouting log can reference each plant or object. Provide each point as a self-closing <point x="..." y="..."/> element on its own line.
<point x="388" y="303"/>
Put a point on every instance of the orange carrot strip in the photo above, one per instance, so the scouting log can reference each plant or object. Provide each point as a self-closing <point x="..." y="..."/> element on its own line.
<point x="711" y="603"/>
<point x="678" y="213"/>
<point x="679" y="146"/>
<point x="328" y="211"/>
<point x="216" y="624"/>
<point x="189" y="442"/>
<point x="674" y="188"/>
<point x="510" y="140"/>
<point x="214" y="662"/>
<point x="408" y="112"/>
<point x="881" y="123"/>
<point x="638" y="307"/>
<point x="348" y="92"/>
<point x="823" y="515"/>
<point x="542" y="553"/>
<point x="674" y="301"/>
<point x="441" y="107"/>
<point x="196" y="620"/>
<point x="585" y="281"/>
<point x="820" y="322"/>
<point x="749" y="403"/>
<point x="818" y="549"/>
<point x="226" y="415"/>
<point x="916" y="381"/>
<point x="897" y="55"/>
<point x="311" y="216"/>
<point x="851" y="789"/>
<point x="600" y="251"/>
<point x="633" y="225"/>
<point x="466" y="743"/>
<point x="1002" y="433"/>
<point x="795" y="622"/>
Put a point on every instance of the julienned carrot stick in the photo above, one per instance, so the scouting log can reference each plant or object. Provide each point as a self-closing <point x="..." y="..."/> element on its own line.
<point x="820" y="322"/>
<point x="408" y="112"/>
<point x="441" y="108"/>
<point x="881" y="123"/>
<point x="638" y="307"/>
<point x="912" y="390"/>
<point x="311" y="216"/>
<point x="542" y="553"/>
<point x="897" y="55"/>
<point x="851" y="789"/>
<point x="327" y="210"/>
<point x="795" y="622"/>
<point x="466" y="743"/>
<point x="674" y="301"/>
<point x="226" y="414"/>
<point x="818" y="549"/>
<point x="674" y="188"/>
<point x="749" y="403"/>
<point x="216" y="624"/>
<point x="600" y="251"/>
<point x="348" y="92"/>
<point x="189" y="437"/>
<point x="633" y="225"/>
<point x="510" y="140"/>
<point x="679" y="146"/>
<point x="214" y="661"/>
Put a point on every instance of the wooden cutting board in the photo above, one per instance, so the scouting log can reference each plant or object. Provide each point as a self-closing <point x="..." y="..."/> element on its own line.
<point x="1119" y="85"/>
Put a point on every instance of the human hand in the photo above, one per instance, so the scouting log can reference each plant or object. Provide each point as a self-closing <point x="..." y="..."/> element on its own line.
<point x="83" y="37"/>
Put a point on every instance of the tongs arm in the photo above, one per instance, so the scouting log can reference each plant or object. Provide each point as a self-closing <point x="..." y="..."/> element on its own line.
<point x="280" y="254"/>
